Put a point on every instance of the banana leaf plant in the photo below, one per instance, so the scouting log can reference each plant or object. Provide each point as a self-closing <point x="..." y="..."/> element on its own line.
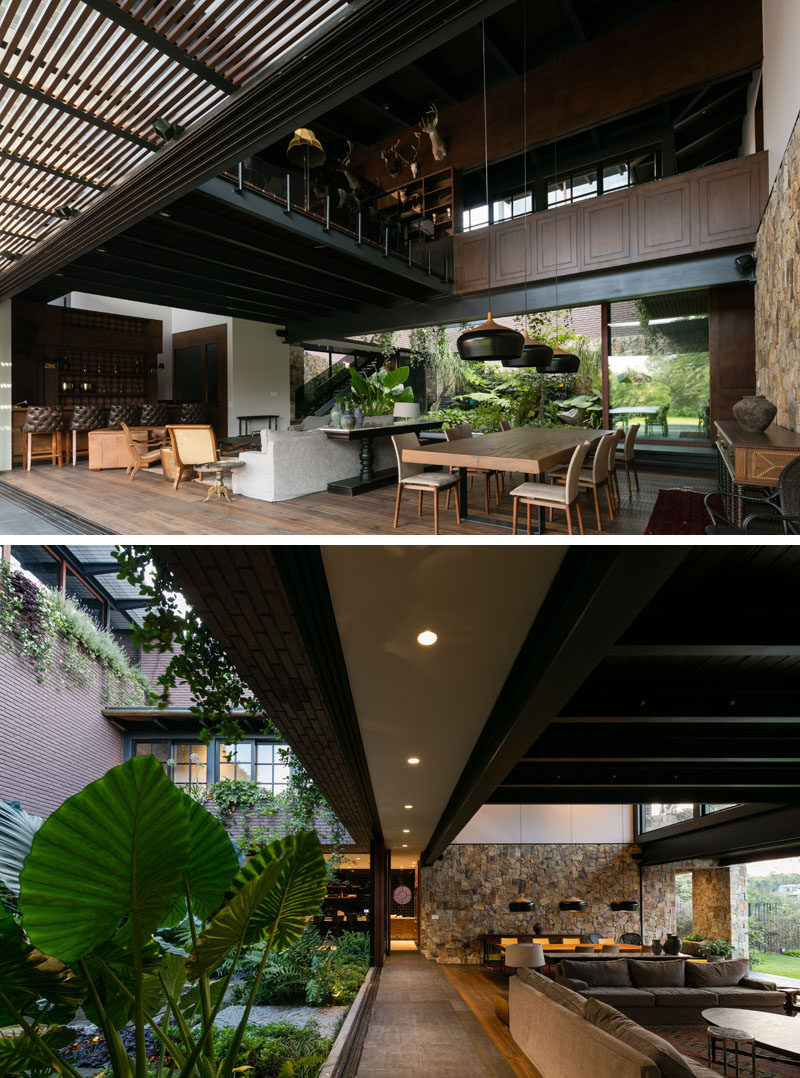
<point x="378" y="394"/>
<point x="126" y="855"/>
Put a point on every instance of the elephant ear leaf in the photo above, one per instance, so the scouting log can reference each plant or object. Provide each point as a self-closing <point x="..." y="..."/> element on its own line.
<point x="212" y="860"/>
<point x="22" y="1055"/>
<point x="17" y="829"/>
<point x="359" y="382"/>
<point x="298" y="891"/>
<point x="112" y="854"/>
<point x="395" y="377"/>
<point x="27" y="975"/>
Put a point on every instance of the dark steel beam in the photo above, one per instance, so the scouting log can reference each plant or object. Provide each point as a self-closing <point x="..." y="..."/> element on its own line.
<point x="701" y="647"/>
<point x="79" y="114"/>
<point x="550" y="774"/>
<point x="745" y="834"/>
<point x="18" y="236"/>
<point x="679" y="721"/>
<point x="26" y="206"/>
<point x="135" y="26"/>
<point x="71" y="176"/>
<point x="709" y="107"/>
<point x="628" y="282"/>
<point x="571" y="11"/>
<point x="641" y="793"/>
<point x="388" y="110"/>
<point x="422" y="69"/>
<point x="498" y="54"/>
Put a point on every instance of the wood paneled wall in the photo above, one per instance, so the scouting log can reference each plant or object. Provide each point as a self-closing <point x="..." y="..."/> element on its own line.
<point x="683" y="46"/>
<point x="731" y="346"/>
<point x="709" y="209"/>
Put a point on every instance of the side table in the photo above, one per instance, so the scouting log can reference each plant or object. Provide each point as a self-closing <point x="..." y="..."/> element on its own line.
<point x="737" y="1037"/>
<point x="219" y="468"/>
<point x="791" y="1005"/>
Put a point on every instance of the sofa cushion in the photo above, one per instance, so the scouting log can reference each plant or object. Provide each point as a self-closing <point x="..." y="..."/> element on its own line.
<point x="758" y="984"/>
<point x="683" y="997"/>
<point x="733" y="995"/>
<point x="599" y="974"/>
<point x="715" y="974"/>
<point x="557" y="992"/>
<point x="669" y="1061"/>
<point x="662" y="974"/>
<point x="621" y="996"/>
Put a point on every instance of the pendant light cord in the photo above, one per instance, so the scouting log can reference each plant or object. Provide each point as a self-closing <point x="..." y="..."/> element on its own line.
<point x="525" y="153"/>
<point x="555" y="169"/>
<point x="486" y="152"/>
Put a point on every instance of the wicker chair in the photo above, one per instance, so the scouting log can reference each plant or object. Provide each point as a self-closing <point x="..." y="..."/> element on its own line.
<point x="141" y="450"/>
<point x="414" y="477"/>
<point x="191" y="444"/>
<point x="43" y="419"/>
<point x="779" y="508"/>
<point x="85" y="417"/>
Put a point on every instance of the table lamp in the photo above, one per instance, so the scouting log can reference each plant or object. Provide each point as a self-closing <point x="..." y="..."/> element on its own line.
<point x="530" y="955"/>
<point x="406" y="411"/>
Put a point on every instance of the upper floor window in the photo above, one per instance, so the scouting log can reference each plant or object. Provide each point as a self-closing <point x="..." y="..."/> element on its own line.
<point x="662" y="815"/>
<point x="477" y="217"/>
<point x="514" y="206"/>
<point x="255" y="761"/>
<point x="195" y="766"/>
<point x="603" y="178"/>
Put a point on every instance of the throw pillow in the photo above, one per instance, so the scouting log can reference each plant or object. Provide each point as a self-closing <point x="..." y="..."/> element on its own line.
<point x="669" y="1061"/>
<point x="716" y="974"/>
<point x="666" y="974"/>
<point x="557" y="992"/>
<point x="603" y="973"/>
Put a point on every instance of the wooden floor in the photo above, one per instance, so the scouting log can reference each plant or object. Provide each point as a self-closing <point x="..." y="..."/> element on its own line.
<point x="149" y="506"/>
<point x="478" y="986"/>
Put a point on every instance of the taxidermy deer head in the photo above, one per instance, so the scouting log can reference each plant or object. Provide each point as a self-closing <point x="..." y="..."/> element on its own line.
<point x="392" y="159"/>
<point x="429" y="124"/>
<point x="414" y="163"/>
<point x="353" y="182"/>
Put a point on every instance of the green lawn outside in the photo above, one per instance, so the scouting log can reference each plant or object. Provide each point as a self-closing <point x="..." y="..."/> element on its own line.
<point x="779" y="964"/>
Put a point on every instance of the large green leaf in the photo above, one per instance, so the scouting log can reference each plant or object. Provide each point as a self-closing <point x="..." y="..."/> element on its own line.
<point x="17" y="829"/>
<point x="212" y="860"/>
<point x="229" y="928"/>
<point x="297" y="894"/>
<point x="113" y="973"/>
<point x="18" y="1053"/>
<point x="26" y="974"/>
<point x="394" y="378"/>
<point x="114" y="852"/>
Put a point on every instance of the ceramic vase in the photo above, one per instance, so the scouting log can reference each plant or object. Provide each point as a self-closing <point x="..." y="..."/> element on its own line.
<point x="656" y="945"/>
<point x="754" y="413"/>
<point x="358" y="415"/>
<point x="672" y="944"/>
<point x="336" y="415"/>
<point x="348" y="419"/>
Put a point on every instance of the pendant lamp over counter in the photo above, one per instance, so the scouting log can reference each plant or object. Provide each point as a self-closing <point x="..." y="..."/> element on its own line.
<point x="521" y="905"/>
<point x="490" y="341"/>
<point x="627" y="904"/>
<point x="572" y="904"/>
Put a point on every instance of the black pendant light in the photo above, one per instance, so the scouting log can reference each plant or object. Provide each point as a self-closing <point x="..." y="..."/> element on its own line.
<point x="572" y="904"/>
<point x="489" y="340"/>
<point x="627" y="904"/>
<point x="534" y="354"/>
<point x="560" y="363"/>
<point x="521" y="905"/>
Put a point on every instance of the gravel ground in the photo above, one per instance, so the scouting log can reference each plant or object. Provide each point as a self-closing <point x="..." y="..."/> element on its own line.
<point x="327" y="1018"/>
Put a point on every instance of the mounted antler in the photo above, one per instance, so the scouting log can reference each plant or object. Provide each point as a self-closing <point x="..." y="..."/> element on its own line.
<point x="414" y="163"/>
<point x="428" y="124"/>
<point x="393" y="159"/>
<point x="355" y="183"/>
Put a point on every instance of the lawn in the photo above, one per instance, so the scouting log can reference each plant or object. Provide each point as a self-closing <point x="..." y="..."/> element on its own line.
<point x="780" y="964"/>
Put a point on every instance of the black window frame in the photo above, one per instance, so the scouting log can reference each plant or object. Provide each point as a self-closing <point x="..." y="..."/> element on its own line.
<point x="172" y="738"/>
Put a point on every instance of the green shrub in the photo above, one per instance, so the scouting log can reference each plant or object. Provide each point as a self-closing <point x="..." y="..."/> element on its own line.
<point x="334" y="983"/>
<point x="695" y="936"/>
<point x="266" y="1049"/>
<point x="792" y="954"/>
<point x="354" y="947"/>
<point x="286" y="974"/>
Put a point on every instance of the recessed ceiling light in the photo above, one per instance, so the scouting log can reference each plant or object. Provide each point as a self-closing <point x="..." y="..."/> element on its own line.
<point x="406" y="830"/>
<point x="405" y="845"/>
<point x="427" y="637"/>
<point x="408" y="806"/>
<point x="413" y="760"/>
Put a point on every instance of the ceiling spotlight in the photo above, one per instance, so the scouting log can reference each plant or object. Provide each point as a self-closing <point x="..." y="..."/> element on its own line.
<point x="65" y="212"/>
<point x="408" y="806"/>
<point x="405" y="845"/>
<point x="413" y="760"/>
<point x="12" y="256"/>
<point x="167" y="130"/>
<point x="427" y="638"/>
<point x="406" y="830"/>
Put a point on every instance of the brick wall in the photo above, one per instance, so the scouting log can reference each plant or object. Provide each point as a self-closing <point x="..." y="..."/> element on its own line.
<point x="53" y="737"/>
<point x="777" y="296"/>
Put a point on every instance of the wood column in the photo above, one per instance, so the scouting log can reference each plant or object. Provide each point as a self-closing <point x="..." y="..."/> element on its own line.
<point x="605" y="346"/>
<point x="379" y="886"/>
<point x="731" y="346"/>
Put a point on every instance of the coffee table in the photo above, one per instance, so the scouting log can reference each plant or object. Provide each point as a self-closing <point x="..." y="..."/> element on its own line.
<point x="219" y="468"/>
<point x="776" y="1032"/>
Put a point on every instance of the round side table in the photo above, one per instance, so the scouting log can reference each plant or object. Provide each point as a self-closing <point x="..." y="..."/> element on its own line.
<point x="737" y="1037"/>
<point x="219" y="468"/>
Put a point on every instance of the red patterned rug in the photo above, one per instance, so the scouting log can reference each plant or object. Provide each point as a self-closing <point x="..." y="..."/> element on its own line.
<point x="692" y="1042"/>
<point x="678" y="512"/>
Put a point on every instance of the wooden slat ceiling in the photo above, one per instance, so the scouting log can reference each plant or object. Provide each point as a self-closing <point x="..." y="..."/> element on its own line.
<point x="81" y="82"/>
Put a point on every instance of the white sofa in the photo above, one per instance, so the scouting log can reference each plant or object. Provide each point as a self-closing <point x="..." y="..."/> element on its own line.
<point x="296" y="462"/>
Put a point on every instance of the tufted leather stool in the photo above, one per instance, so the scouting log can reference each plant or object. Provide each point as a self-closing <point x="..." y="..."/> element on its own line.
<point x="123" y="413"/>
<point x="43" y="419"/>
<point x="85" y="417"/>
<point x="192" y="413"/>
<point x="154" y="415"/>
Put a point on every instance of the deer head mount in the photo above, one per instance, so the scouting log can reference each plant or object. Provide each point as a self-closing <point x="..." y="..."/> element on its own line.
<point x="393" y="159"/>
<point x="354" y="182"/>
<point x="429" y="126"/>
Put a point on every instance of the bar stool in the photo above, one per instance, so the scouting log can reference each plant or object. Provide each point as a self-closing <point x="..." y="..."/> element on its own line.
<point x="154" y="415"/>
<point x="43" y="419"/>
<point x="192" y="413"/>
<point x="123" y="413"/>
<point x="85" y="417"/>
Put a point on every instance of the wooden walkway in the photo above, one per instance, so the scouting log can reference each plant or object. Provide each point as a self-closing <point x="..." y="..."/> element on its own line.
<point x="149" y="506"/>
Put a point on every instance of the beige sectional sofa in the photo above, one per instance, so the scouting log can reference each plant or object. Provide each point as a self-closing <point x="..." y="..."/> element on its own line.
<point x="567" y="1036"/>
<point x="672" y="991"/>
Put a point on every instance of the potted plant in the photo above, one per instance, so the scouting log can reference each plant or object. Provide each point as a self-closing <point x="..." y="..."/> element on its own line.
<point x="693" y="944"/>
<point x="716" y="950"/>
<point x="378" y="394"/>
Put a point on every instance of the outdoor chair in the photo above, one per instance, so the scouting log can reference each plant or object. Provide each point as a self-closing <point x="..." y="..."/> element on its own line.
<point x="414" y="477"/>
<point x="464" y="430"/>
<point x="43" y="419"/>
<point x="659" y="420"/>
<point x="191" y="444"/>
<point x="595" y="478"/>
<point x="85" y="417"/>
<point x="628" y="450"/>
<point x="553" y="496"/>
<point x="505" y="425"/>
<point x="777" y="508"/>
<point x="573" y="417"/>
<point x="142" y="451"/>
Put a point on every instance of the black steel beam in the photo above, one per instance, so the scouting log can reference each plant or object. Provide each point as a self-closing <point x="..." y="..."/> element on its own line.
<point x="571" y="11"/>
<point x="641" y="793"/>
<point x="595" y="596"/>
<point x="663" y="775"/>
<point x="135" y="26"/>
<point x="650" y="699"/>
<point x="26" y="206"/>
<point x="18" y="236"/>
<point x="660" y="741"/>
<point x="422" y="69"/>
<point x="498" y="54"/>
<point x="71" y="176"/>
<point x="768" y="827"/>
<point x="79" y="114"/>
<point x="627" y="282"/>
<point x="388" y="110"/>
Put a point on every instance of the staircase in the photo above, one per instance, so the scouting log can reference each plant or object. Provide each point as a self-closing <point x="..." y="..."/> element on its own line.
<point x="316" y="396"/>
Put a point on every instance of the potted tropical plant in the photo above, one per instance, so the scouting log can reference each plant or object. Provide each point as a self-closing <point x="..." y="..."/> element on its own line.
<point x="693" y="945"/>
<point x="716" y="950"/>
<point x="377" y="395"/>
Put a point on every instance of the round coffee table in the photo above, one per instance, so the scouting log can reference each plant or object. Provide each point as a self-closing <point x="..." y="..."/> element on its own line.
<point x="219" y="469"/>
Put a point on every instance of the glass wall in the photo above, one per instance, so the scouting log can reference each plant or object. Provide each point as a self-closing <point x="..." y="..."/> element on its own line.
<point x="656" y="815"/>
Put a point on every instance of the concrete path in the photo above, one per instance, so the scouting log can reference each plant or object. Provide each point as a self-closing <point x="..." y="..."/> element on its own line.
<point x="422" y="1028"/>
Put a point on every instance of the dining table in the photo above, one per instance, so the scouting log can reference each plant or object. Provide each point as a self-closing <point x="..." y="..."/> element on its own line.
<point x="533" y="451"/>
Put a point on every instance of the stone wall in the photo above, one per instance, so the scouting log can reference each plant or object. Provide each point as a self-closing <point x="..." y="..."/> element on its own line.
<point x="777" y="295"/>
<point x="658" y="901"/>
<point x="719" y="905"/>
<point x="467" y="892"/>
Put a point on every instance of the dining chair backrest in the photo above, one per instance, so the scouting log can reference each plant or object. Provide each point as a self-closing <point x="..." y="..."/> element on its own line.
<point x="630" y="438"/>
<point x="610" y="948"/>
<point x="459" y="431"/>
<point x="574" y="471"/>
<point x="505" y="425"/>
<point x="612" y="450"/>
<point x="600" y="459"/>
<point x="404" y="467"/>
<point x="584" y="947"/>
<point x="193" y="443"/>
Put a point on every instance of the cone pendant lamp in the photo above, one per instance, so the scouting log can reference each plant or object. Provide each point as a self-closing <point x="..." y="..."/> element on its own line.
<point x="534" y="354"/>
<point x="560" y="363"/>
<point x="489" y="341"/>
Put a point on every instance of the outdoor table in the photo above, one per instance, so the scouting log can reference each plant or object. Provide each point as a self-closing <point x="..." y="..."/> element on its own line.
<point x="219" y="468"/>
<point x="632" y="410"/>
<point x="530" y="450"/>
<point x="369" y="479"/>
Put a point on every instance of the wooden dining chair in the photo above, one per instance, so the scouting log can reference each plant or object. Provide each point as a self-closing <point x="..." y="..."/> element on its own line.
<point x="464" y="430"/>
<point x="414" y="477"/>
<point x="551" y="495"/>
<point x="628" y="456"/>
<point x="594" y="478"/>
<point x="613" y="481"/>
<point x="141" y="450"/>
